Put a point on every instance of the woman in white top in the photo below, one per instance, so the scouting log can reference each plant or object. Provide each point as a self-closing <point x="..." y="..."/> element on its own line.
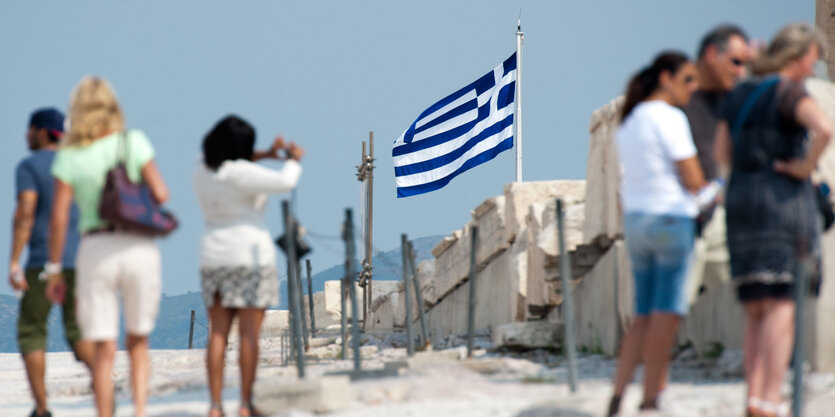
<point x="660" y="170"/>
<point x="238" y="269"/>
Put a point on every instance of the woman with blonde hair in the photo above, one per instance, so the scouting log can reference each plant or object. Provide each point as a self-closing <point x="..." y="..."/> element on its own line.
<point x="110" y="262"/>
<point x="770" y="136"/>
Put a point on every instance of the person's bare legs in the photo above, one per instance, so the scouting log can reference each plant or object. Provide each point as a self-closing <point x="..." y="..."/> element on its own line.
<point x="84" y="352"/>
<point x="220" y="321"/>
<point x="104" y="354"/>
<point x="139" y="372"/>
<point x="660" y="335"/>
<point x="778" y="339"/>
<point x="753" y="349"/>
<point x="630" y="354"/>
<point x="249" y="325"/>
<point x="35" y="363"/>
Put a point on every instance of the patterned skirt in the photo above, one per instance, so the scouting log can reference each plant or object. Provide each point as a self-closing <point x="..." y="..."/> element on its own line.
<point x="773" y="226"/>
<point x="240" y="286"/>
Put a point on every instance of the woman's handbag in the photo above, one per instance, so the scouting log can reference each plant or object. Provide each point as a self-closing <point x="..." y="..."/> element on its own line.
<point x="130" y="206"/>
<point x="825" y="205"/>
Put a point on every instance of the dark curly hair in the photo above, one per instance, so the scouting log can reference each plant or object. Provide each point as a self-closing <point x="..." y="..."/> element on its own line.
<point x="231" y="138"/>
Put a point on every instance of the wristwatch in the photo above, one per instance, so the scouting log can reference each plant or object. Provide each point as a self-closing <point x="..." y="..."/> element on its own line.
<point x="49" y="269"/>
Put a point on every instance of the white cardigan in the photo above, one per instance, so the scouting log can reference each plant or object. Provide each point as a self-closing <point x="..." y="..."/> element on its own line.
<point x="233" y="199"/>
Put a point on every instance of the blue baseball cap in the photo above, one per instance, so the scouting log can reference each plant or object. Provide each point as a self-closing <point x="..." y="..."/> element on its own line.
<point x="49" y="119"/>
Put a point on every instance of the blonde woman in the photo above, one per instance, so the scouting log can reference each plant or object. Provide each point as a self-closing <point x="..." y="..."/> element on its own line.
<point x="110" y="263"/>
<point x="770" y="135"/>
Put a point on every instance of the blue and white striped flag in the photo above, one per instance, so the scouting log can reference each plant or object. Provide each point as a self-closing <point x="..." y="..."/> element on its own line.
<point x="467" y="128"/>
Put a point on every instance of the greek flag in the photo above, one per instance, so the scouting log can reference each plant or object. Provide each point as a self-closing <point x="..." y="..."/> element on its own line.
<point x="467" y="128"/>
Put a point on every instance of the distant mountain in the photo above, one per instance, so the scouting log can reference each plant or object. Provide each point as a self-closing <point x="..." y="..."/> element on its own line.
<point x="55" y="341"/>
<point x="172" y="327"/>
<point x="171" y="331"/>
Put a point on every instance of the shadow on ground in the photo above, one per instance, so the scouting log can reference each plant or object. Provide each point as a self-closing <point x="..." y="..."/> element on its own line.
<point x="551" y="412"/>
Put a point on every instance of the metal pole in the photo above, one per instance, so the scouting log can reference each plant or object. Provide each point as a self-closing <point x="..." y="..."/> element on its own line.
<point x="369" y="211"/>
<point x="351" y="272"/>
<point x="364" y="177"/>
<point x="800" y="291"/>
<point x="567" y="301"/>
<point x="517" y="120"/>
<point x="418" y="295"/>
<point x="410" y="340"/>
<point x="292" y="286"/>
<point x="303" y="315"/>
<point x="343" y="293"/>
<point x="191" y="331"/>
<point x="310" y="298"/>
<point x="292" y="336"/>
<point x="472" y="302"/>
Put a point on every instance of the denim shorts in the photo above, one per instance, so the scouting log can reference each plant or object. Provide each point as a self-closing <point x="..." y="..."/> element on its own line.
<point x="660" y="249"/>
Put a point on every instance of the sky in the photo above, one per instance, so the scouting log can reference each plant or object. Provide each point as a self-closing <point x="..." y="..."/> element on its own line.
<point x="325" y="73"/>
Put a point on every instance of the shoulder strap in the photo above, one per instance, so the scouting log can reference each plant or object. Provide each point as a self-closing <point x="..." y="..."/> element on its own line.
<point x="746" y="107"/>
<point x="123" y="148"/>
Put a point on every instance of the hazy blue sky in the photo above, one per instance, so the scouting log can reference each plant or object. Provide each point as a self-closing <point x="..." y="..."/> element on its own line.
<point x="325" y="73"/>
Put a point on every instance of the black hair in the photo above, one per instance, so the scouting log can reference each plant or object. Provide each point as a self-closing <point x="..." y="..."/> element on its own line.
<point x="231" y="138"/>
<point x="645" y="82"/>
<point x="719" y="38"/>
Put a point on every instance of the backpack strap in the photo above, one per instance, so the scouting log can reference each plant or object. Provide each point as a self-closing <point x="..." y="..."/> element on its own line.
<point x="748" y="105"/>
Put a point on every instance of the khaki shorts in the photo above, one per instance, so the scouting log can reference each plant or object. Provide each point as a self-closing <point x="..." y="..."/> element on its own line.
<point x="110" y="264"/>
<point x="34" y="312"/>
<point x="711" y="262"/>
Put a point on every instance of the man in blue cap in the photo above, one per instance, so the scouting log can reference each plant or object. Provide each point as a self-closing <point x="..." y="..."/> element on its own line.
<point x="34" y="185"/>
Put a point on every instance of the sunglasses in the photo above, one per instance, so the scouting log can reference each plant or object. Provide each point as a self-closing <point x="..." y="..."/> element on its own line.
<point x="737" y="62"/>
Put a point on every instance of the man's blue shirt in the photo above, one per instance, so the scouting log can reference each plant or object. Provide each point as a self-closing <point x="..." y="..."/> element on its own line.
<point x="33" y="174"/>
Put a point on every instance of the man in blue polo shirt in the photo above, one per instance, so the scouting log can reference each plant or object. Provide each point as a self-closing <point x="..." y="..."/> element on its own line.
<point x="34" y="185"/>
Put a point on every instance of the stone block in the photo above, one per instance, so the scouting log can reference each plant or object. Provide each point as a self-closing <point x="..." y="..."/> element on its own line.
<point x="380" y="288"/>
<point x="425" y="359"/>
<point x="715" y="318"/>
<point x="320" y="395"/>
<point x="603" y="302"/>
<point x="426" y="278"/>
<point x="327" y="304"/>
<point x="381" y="316"/>
<point x="490" y="219"/>
<point x="543" y="280"/>
<point x="520" y="195"/>
<point x="452" y="265"/>
<point x="528" y="335"/>
<point x="497" y="299"/>
<point x="503" y="365"/>
<point x="603" y="212"/>
<point x="275" y="323"/>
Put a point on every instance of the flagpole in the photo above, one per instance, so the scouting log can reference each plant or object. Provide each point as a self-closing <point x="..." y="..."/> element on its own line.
<point x="517" y="121"/>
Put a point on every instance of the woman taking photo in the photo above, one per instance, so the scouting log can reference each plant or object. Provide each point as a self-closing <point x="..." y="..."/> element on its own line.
<point x="110" y="262"/>
<point x="238" y="269"/>
<point x="660" y="171"/>
<point x="770" y="135"/>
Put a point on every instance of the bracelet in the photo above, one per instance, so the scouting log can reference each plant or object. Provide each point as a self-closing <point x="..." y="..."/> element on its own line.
<point x="52" y="268"/>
